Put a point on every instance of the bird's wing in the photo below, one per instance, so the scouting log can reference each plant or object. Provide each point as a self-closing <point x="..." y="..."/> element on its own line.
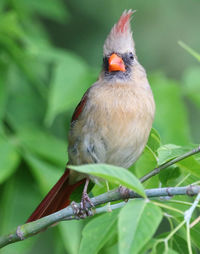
<point x="57" y="198"/>
<point x="79" y="109"/>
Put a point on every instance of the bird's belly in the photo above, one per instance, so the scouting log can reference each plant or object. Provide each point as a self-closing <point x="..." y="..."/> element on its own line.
<point x="118" y="142"/>
<point x="112" y="131"/>
<point x="125" y="142"/>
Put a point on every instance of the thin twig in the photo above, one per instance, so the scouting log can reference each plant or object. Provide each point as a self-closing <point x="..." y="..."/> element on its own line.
<point x="189" y="50"/>
<point x="27" y="230"/>
<point x="169" y="163"/>
<point x="197" y="220"/>
<point x="187" y="217"/>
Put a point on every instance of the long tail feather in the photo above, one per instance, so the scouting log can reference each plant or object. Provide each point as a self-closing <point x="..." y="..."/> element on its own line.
<point x="57" y="198"/>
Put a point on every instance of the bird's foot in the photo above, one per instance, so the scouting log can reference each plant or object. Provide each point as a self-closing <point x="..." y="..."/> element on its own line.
<point x="84" y="204"/>
<point x="83" y="210"/>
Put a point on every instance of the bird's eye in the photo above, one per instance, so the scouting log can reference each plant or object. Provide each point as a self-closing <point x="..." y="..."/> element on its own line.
<point x="131" y="56"/>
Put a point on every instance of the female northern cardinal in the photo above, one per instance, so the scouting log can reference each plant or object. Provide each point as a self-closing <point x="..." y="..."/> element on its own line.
<point x="112" y="122"/>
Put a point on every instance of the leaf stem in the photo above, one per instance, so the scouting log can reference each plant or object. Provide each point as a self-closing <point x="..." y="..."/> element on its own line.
<point x="175" y="230"/>
<point x="181" y="202"/>
<point x="189" y="50"/>
<point x="166" y="239"/>
<point x="197" y="220"/>
<point x="169" y="163"/>
<point x="168" y="207"/>
<point x="188" y="215"/>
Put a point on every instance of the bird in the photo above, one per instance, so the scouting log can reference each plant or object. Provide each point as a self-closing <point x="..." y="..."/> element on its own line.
<point x="113" y="120"/>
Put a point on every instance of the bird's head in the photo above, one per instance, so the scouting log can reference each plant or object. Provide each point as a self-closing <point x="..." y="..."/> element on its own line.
<point x="119" y="51"/>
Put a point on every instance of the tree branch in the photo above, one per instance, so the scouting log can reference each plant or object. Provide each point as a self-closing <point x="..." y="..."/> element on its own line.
<point x="169" y="163"/>
<point x="27" y="230"/>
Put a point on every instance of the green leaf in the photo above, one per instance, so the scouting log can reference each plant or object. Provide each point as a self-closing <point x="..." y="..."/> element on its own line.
<point x="9" y="25"/>
<point x="102" y="188"/>
<point x="170" y="119"/>
<point x="69" y="82"/>
<point x="48" y="8"/>
<point x="154" y="140"/>
<point x="110" y="250"/>
<point x="44" y="144"/>
<point x="145" y="164"/>
<point x="2" y="5"/>
<point x="71" y="233"/>
<point x="169" y="174"/>
<point x="3" y="90"/>
<point x="180" y="239"/>
<point x="138" y="222"/>
<point x="113" y="174"/>
<point x="170" y="251"/>
<point x="179" y="244"/>
<point x="171" y="151"/>
<point x="191" y="84"/>
<point x="111" y="246"/>
<point x="18" y="197"/>
<point x="147" y="248"/>
<point x="189" y="50"/>
<point x="25" y="107"/>
<point x="9" y="159"/>
<point x="23" y="61"/>
<point x="191" y="165"/>
<point x="97" y="232"/>
<point x="195" y="231"/>
<point x="45" y="174"/>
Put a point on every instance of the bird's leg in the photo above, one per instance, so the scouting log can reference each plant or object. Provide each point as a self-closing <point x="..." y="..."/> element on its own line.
<point x="82" y="212"/>
<point x="85" y="197"/>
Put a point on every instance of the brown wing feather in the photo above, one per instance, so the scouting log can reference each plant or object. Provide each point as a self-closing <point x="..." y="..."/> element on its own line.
<point x="57" y="198"/>
<point x="80" y="107"/>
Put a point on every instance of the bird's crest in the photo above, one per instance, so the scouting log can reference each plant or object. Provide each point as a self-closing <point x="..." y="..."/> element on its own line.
<point x="123" y="24"/>
<point x="120" y="38"/>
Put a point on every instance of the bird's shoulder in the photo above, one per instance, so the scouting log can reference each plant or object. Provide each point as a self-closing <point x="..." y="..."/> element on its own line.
<point x="81" y="105"/>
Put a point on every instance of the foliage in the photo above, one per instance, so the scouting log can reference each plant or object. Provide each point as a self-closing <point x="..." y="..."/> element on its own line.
<point x="40" y="85"/>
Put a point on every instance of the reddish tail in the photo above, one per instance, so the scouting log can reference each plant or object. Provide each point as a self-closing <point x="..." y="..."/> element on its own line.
<point x="57" y="198"/>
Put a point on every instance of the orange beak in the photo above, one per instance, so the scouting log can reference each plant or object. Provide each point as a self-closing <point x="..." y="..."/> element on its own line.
<point x="115" y="63"/>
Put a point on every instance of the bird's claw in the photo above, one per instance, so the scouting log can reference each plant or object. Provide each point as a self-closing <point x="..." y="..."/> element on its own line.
<point x="82" y="211"/>
<point x="84" y="201"/>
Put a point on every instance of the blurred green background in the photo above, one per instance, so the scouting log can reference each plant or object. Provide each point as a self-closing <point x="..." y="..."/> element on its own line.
<point x="50" y="53"/>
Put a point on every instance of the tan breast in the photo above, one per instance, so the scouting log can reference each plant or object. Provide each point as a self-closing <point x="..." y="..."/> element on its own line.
<point x="121" y="115"/>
